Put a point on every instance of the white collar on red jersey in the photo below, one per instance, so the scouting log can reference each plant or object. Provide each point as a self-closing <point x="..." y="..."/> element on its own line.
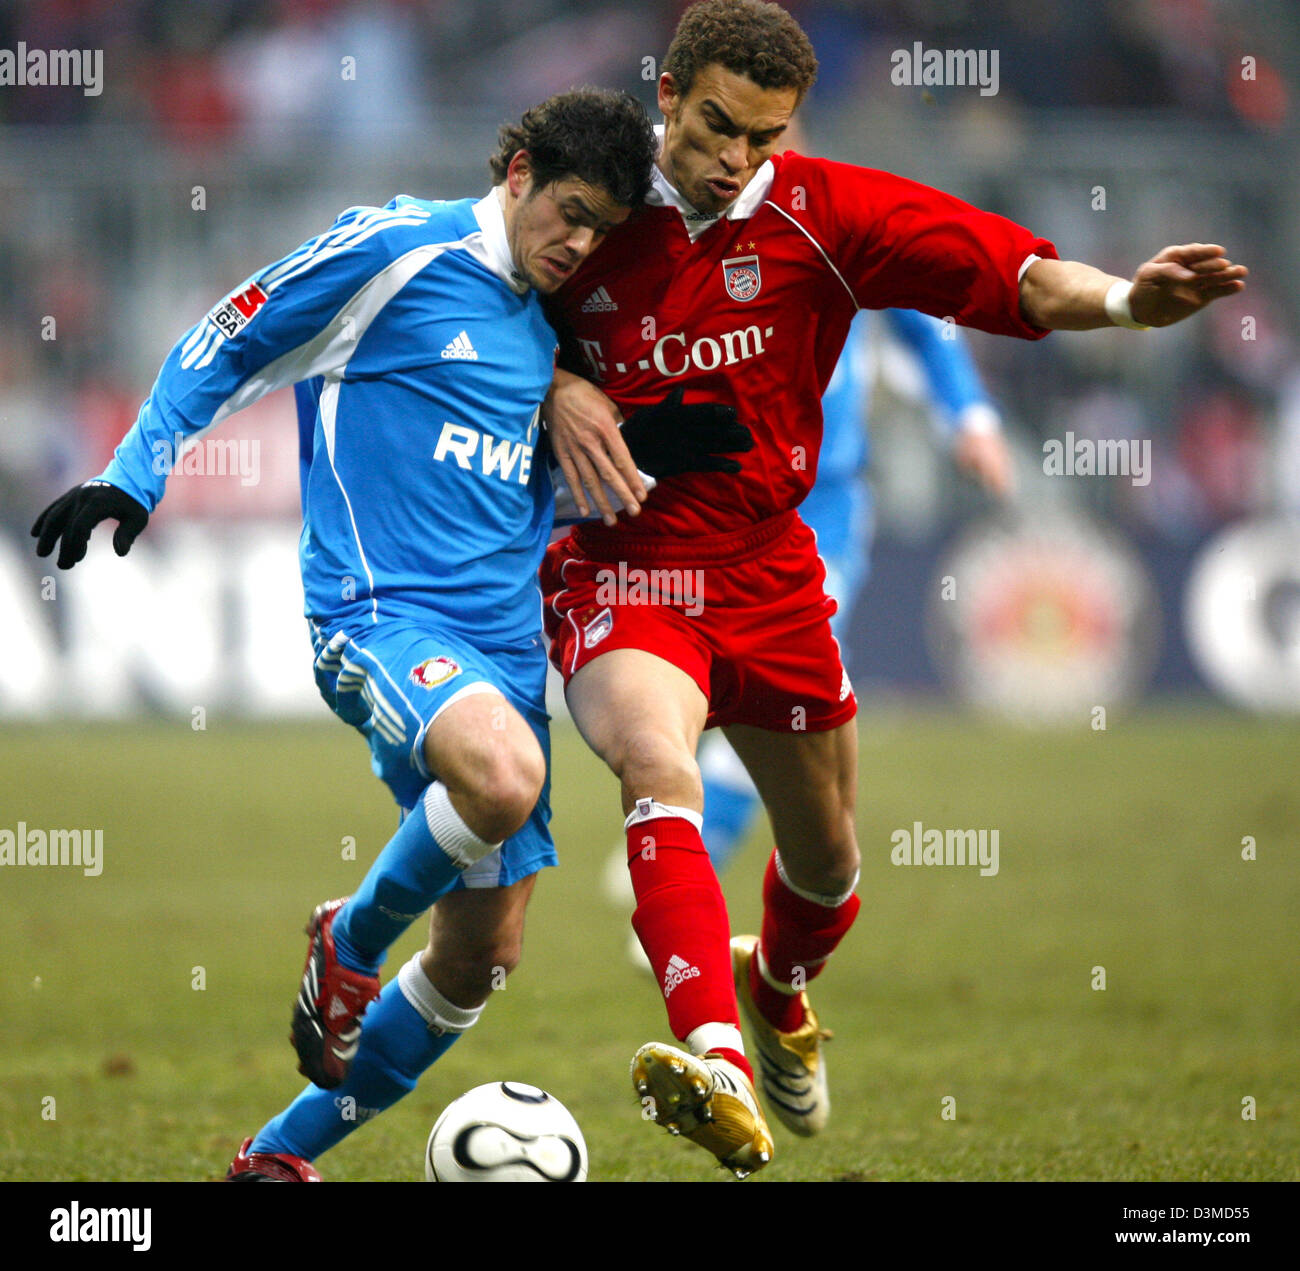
<point x="664" y="194"/>
<point x="491" y="219"/>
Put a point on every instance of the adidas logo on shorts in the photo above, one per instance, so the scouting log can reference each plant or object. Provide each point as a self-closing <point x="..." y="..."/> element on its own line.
<point x="678" y="970"/>
<point x="461" y="348"/>
<point x="599" y="302"/>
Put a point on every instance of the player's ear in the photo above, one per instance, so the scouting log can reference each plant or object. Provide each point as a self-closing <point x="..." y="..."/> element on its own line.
<point x="519" y="175"/>
<point x="669" y="97"/>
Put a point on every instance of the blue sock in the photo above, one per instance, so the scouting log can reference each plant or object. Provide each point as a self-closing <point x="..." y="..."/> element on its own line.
<point x="728" y="814"/>
<point x="730" y="800"/>
<point x="397" y="1045"/>
<point x="412" y="871"/>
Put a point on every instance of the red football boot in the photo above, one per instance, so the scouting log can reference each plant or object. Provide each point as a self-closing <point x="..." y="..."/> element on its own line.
<point x="266" y="1167"/>
<point x="331" y="1002"/>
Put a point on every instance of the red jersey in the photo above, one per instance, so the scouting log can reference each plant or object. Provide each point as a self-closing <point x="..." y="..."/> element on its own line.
<point x="753" y="309"/>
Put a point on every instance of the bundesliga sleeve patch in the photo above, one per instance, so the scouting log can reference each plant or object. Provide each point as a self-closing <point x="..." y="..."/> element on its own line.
<point x="232" y="315"/>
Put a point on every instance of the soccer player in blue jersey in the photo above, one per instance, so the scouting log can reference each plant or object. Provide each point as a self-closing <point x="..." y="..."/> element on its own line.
<point x="416" y="335"/>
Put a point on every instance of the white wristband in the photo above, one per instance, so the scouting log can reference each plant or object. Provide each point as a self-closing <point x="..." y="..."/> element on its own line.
<point x="1117" y="306"/>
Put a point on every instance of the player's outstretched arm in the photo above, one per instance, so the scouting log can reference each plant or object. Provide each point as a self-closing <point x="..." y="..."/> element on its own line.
<point x="269" y="332"/>
<point x="1067" y="295"/>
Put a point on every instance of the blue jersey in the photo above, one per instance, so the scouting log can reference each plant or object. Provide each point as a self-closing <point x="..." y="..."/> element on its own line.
<point x="838" y="506"/>
<point x="422" y="360"/>
<point x="950" y="375"/>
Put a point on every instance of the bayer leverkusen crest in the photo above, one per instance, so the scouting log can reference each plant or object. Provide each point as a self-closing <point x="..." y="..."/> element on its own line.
<point x="434" y="671"/>
<point x="742" y="277"/>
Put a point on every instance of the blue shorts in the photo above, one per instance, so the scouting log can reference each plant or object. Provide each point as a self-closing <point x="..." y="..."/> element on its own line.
<point x="392" y="680"/>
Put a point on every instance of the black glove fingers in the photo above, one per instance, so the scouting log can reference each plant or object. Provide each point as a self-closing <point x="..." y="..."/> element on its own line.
<point x="124" y="536"/>
<point x="132" y="518"/>
<point x="717" y="463"/>
<point x="669" y="439"/>
<point x="738" y="438"/>
<point x="76" y="538"/>
<point x="673" y="401"/>
<point x="73" y="516"/>
<point x="710" y="414"/>
<point x="50" y="524"/>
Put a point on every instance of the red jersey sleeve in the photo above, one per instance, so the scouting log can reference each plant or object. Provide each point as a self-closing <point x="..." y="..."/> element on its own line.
<point x="898" y="244"/>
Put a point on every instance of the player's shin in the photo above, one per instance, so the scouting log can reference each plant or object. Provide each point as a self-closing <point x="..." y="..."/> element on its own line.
<point x="681" y="921"/>
<point x="800" y="931"/>
<point x="420" y="863"/>
<point x="406" y="1029"/>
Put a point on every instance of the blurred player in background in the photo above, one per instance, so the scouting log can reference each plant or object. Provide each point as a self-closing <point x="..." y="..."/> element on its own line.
<point x="417" y="333"/>
<point x="740" y="279"/>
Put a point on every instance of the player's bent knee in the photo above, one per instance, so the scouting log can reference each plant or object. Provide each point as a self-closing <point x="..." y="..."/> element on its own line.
<point x="495" y="780"/>
<point x="656" y="765"/>
<point x="506" y="790"/>
<point x="827" y="863"/>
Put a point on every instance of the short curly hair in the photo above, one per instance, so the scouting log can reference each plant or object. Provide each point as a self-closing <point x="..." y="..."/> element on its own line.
<point x="601" y="137"/>
<point x="749" y="37"/>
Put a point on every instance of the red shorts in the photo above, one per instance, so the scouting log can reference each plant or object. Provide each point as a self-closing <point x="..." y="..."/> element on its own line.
<point x="745" y="615"/>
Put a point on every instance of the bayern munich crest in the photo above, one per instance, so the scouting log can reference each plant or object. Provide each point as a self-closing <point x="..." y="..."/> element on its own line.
<point x="742" y="277"/>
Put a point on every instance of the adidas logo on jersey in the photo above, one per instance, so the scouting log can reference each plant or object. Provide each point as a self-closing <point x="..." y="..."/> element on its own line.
<point x="678" y="970"/>
<point x="599" y="302"/>
<point x="461" y="348"/>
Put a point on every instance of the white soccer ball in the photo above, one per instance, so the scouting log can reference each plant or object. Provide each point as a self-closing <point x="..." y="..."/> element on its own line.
<point x="506" y="1132"/>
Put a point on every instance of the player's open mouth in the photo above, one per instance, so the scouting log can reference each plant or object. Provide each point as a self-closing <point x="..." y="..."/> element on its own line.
<point x="725" y="190"/>
<point x="558" y="268"/>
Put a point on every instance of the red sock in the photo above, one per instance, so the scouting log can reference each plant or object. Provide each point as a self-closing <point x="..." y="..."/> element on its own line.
<point x="798" y="935"/>
<point x="681" y="921"/>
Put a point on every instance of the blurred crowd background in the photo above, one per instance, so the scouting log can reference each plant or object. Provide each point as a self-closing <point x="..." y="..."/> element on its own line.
<point x="228" y="132"/>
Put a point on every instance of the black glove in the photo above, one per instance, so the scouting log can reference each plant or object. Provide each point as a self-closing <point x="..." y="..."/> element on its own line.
<point x="75" y="514"/>
<point x="667" y="439"/>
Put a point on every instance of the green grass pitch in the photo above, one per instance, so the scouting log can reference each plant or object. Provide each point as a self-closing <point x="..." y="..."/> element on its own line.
<point x="1120" y="849"/>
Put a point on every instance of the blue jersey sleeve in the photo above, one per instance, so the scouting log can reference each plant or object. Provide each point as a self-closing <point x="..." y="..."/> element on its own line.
<point x="946" y="359"/>
<point x="293" y="320"/>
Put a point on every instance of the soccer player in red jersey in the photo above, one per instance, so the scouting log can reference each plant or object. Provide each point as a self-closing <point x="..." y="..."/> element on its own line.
<point x="737" y="282"/>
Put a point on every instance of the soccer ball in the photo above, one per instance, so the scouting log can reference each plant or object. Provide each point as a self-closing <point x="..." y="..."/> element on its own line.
<point x="506" y="1132"/>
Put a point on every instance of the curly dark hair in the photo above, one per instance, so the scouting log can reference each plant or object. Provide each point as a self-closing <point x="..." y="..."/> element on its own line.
<point x="749" y="37"/>
<point x="601" y="137"/>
